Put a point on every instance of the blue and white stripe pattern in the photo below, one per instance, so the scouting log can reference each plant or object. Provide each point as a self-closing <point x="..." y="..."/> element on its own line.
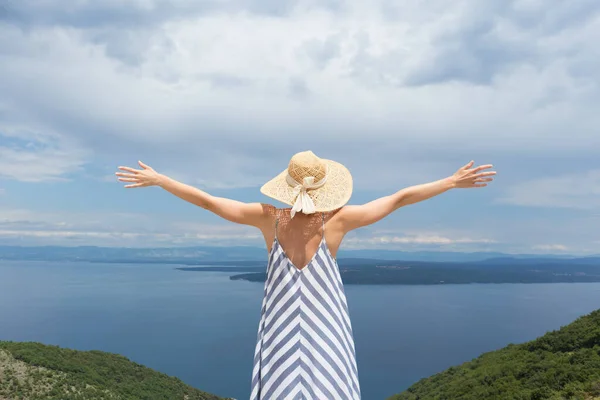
<point x="305" y="346"/>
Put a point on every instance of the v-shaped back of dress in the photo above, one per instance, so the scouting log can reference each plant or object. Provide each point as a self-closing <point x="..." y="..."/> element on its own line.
<point x="305" y="345"/>
<point x="322" y="245"/>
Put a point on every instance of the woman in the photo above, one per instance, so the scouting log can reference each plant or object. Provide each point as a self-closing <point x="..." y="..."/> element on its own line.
<point x="305" y="347"/>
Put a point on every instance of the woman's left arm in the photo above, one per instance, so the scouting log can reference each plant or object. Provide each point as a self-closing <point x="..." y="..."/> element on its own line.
<point x="356" y="216"/>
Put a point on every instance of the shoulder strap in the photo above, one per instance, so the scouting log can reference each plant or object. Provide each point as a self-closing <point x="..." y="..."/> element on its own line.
<point x="276" y="223"/>
<point x="323" y="219"/>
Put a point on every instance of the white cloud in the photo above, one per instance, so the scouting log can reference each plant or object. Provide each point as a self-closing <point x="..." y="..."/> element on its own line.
<point x="124" y="239"/>
<point x="115" y="229"/>
<point x="413" y="239"/>
<point x="220" y="94"/>
<point x="576" y="191"/>
<point x="352" y="80"/>
<point x="32" y="155"/>
<point x="26" y="227"/>
<point x="550" y="247"/>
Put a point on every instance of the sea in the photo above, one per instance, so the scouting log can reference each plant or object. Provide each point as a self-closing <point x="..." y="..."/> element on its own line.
<point x="201" y="326"/>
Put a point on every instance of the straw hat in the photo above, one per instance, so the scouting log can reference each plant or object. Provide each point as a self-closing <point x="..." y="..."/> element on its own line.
<point x="311" y="184"/>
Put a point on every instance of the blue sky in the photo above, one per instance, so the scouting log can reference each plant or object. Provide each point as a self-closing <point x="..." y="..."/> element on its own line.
<point x="220" y="94"/>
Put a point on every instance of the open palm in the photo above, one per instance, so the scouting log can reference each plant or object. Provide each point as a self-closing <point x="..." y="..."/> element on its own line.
<point x="139" y="177"/>
<point x="467" y="177"/>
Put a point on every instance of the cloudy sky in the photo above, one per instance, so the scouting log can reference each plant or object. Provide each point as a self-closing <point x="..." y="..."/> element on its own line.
<point x="220" y="93"/>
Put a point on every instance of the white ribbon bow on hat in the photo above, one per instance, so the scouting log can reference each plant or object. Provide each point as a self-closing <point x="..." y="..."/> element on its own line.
<point x="303" y="201"/>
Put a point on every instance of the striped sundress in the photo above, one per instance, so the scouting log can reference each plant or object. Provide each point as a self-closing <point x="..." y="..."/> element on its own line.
<point x="305" y="345"/>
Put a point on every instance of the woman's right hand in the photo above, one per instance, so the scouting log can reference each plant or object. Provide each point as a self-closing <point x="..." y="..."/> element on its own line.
<point x="467" y="177"/>
<point x="139" y="178"/>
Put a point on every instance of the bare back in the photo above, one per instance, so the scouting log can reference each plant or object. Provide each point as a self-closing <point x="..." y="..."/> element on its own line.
<point x="301" y="236"/>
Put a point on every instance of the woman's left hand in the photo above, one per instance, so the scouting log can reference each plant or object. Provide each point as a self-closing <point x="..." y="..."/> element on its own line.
<point x="470" y="178"/>
<point x="139" y="178"/>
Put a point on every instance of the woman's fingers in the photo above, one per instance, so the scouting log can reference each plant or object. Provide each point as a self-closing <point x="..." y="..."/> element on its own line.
<point x="135" y="171"/>
<point x="138" y="178"/>
<point x="484" y="174"/>
<point x="143" y="165"/>
<point x="126" y="175"/>
<point x="486" y="166"/>
<point x="468" y="165"/>
<point x="468" y="178"/>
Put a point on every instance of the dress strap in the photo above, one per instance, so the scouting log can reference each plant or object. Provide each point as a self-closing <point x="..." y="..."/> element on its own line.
<point x="276" y="223"/>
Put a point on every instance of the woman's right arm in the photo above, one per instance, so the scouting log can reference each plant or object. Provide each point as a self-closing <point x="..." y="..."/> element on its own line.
<point x="356" y="216"/>
<point x="254" y="214"/>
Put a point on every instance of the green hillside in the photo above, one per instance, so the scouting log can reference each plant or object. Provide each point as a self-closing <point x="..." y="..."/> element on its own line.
<point x="562" y="364"/>
<point x="34" y="371"/>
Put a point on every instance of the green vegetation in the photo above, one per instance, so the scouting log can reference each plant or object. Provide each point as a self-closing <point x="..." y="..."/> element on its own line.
<point x="563" y="364"/>
<point x="34" y="371"/>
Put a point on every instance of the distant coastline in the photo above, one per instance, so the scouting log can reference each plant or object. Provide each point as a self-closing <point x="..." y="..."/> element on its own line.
<point x="206" y="254"/>
<point x="361" y="267"/>
<point x="379" y="272"/>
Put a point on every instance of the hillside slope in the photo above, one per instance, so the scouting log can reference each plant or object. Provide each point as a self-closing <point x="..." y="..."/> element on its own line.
<point x="562" y="364"/>
<point x="34" y="371"/>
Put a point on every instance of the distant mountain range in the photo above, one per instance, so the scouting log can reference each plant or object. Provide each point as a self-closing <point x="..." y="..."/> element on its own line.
<point x="356" y="266"/>
<point x="207" y="254"/>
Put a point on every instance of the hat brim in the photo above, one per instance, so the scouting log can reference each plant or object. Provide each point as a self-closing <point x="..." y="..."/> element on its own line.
<point x="334" y="194"/>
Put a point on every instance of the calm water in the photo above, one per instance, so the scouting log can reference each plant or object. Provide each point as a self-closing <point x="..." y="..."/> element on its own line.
<point x="201" y="327"/>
